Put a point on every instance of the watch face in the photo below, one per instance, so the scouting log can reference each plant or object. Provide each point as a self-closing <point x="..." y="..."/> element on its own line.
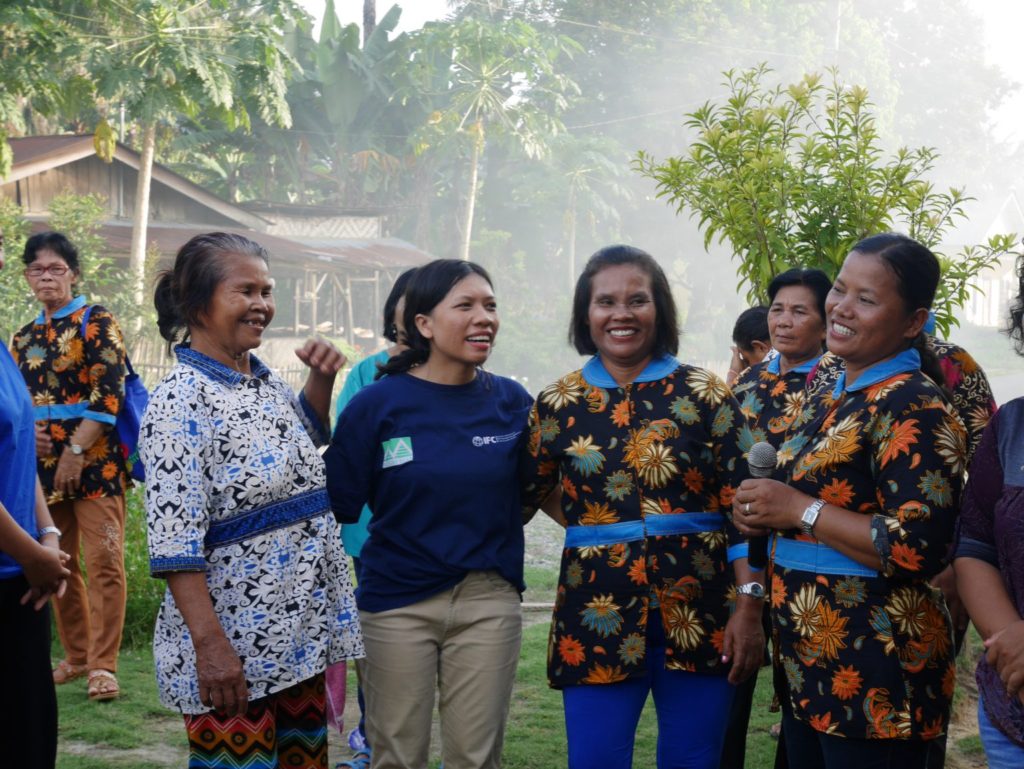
<point x="753" y="589"/>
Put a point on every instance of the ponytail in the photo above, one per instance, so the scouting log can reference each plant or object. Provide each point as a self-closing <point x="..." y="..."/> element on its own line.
<point x="169" y="319"/>
<point x="405" y="360"/>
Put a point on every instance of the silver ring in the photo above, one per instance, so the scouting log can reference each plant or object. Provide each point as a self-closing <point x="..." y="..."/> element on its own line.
<point x="747" y="509"/>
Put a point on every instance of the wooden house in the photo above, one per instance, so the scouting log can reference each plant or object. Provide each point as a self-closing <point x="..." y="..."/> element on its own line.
<point x="333" y="270"/>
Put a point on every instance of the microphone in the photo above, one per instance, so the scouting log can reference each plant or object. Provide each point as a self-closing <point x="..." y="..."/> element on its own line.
<point x="761" y="461"/>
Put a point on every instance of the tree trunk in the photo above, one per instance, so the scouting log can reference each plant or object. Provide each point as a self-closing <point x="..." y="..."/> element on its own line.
<point x="570" y="215"/>
<point x="137" y="257"/>
<point x="474" y="175"/>
<point x="369" y="19"/>
<point x="424" y="197"/>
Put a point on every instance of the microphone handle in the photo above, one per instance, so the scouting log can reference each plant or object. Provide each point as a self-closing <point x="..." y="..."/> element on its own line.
<point x="757" y="552"/>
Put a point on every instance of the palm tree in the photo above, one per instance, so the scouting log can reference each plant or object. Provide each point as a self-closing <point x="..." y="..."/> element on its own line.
<point x="503" y="82"/>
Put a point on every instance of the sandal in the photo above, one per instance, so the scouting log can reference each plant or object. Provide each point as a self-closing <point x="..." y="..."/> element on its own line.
<point x="65" y="672"/>
<point x="103" y="686"/>
<point x="360" y="760"/>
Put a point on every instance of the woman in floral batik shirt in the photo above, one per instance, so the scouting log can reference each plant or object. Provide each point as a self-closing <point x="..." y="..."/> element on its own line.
<point x="646" y="450"/>
<point x="74" y="367"/>
<point x="865" y="643"/>
<point x="774" y="398"/>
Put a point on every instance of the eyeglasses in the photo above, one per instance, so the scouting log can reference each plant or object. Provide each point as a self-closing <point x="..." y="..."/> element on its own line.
<point x="56" y="270"/>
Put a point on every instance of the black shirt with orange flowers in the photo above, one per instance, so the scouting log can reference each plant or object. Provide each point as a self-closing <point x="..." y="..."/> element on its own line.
<point x="71" y="377"/>
<point x="869" y="654"/>
<point x="647" y="472"/>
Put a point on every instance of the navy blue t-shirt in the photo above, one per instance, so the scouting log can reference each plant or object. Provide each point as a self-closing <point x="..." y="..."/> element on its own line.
<point x="438" y="466"/>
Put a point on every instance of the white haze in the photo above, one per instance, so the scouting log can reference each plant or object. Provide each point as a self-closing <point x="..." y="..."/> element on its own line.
<point x="675" y="241"/>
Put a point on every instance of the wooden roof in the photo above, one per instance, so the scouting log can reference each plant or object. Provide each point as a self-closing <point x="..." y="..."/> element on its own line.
<point x="36" y="154"/>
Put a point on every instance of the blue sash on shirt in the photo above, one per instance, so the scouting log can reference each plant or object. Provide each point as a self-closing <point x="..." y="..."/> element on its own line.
<point x="660" y="525"/>
<point x="817" y="558"/>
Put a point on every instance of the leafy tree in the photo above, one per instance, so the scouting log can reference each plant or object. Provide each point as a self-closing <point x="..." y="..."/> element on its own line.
<point x="16" y="300"/>
<point x="166" y="58"/>
<point x="795" y="176"/>
<point x="505" y="80"/>
<point x="348" y="92"/>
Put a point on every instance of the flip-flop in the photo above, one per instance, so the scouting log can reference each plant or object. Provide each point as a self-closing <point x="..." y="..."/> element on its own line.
<point x="65" y="672"/>
<point x="103" y="686"/>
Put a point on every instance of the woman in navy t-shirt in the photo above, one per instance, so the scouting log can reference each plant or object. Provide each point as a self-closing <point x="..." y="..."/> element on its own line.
<point x="432" y="449"/>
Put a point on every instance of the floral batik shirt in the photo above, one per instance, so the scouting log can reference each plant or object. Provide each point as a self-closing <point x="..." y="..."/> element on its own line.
<point x="775" y="405"/>
<point x="646" y="472"/>
<point x="965" y="380"/>
<point x="74" y="376"/>
<point x="869" y="654"/>
<point x="235" y="488"/>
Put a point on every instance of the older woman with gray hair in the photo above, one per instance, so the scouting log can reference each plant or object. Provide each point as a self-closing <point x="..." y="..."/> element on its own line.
<point x="259" y="599"/>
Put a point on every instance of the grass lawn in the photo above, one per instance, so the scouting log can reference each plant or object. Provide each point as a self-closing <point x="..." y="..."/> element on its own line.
<point x="136" y="732"/>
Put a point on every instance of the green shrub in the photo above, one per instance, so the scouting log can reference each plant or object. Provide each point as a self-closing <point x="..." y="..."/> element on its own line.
<point x="144" y="592"/>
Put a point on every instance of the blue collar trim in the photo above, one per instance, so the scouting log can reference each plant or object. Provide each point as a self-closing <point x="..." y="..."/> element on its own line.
<point x="597" y="375"/>
<point x="929" y="325"/>
<point x="216" y="370"/>
<point x="775" y="366"/>
<point x="73" y="306"/>
<point x="908" y="360"/>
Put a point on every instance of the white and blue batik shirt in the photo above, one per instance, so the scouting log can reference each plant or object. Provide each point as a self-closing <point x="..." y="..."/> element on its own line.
<point x="235" y="488"/>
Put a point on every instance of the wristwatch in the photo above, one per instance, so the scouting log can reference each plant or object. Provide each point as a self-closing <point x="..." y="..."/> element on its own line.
<point x="50" y="530"/>
<point x="752" y="589"/>
<point x="76" y="449"/>
<point x="810" y="516"/>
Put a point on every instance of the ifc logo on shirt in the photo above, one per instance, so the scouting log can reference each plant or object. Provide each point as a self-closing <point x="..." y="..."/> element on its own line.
<point x="397" y="451"/>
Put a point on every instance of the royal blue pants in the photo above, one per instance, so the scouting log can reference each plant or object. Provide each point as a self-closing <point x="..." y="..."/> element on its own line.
<point x="692" y="711"/>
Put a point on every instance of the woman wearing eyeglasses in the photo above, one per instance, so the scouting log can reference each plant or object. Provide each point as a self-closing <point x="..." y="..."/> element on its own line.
<point x="75" y="374"/>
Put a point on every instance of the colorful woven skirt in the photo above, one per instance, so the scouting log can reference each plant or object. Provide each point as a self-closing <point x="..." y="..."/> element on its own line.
<point x="286" y="730"/>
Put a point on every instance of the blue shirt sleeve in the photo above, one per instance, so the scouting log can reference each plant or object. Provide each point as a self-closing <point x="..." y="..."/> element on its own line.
<point x="349" y="461"/>
<point x="360" y="376"/>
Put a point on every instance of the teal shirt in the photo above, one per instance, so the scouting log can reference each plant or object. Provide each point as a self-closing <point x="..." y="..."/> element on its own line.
<point x="354" y="535"/>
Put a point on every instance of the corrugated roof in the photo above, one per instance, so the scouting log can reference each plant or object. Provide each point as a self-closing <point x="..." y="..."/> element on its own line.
<point x="379" y="254"/>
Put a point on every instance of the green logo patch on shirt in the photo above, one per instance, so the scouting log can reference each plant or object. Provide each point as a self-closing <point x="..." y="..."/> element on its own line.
<point x="397" y="451"/>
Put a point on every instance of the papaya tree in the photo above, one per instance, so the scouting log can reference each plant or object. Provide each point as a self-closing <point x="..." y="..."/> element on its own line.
<point x="163" y="59"/>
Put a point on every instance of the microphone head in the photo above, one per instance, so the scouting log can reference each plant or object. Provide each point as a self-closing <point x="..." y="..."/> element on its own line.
<point x="761" y="459"/>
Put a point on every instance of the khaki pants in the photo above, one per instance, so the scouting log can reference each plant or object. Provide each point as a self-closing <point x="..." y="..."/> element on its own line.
<point x="90" y="619"/>
<point x="462" y="643"/>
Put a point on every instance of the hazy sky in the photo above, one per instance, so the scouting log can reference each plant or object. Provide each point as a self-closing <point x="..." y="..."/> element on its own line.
<point x="414" y="12"/>
<point x="1003" y="20"/>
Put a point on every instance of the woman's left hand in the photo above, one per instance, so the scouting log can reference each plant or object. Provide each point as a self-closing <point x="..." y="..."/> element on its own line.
<point x="761" y="504"/>
<point x="1005" y="652"/>
<point x="743" y="642"/>
<point x="68" y="477"/>
<point x="321" y="356"/>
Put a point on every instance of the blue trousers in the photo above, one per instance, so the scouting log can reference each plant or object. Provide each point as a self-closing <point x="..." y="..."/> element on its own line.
<point x="692" y="711"/>
<point x="1000" y="750"/>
